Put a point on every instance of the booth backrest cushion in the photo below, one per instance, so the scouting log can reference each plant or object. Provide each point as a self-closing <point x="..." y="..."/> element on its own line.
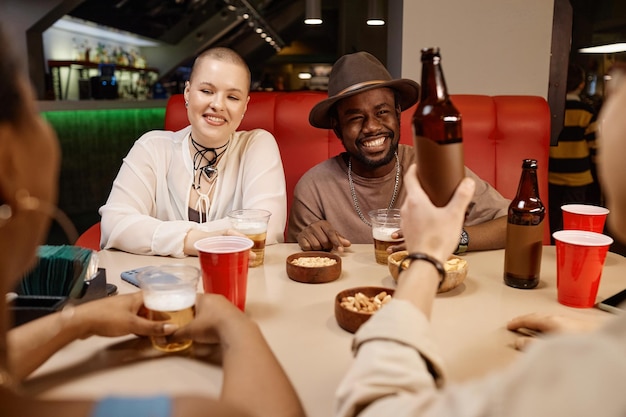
<point x="498" y="133"/>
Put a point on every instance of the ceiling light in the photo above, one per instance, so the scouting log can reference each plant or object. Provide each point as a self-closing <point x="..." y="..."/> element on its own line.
<point x="375" y="15"/>
<point x="610" y="48"/>
<point x="305" y="75"/>
<point x="85" y="27"/>
<point x="375" y="22"/>
<point x="230" y="5"/>
<point x="258" y="23"/>
<point x="313" y="15"/>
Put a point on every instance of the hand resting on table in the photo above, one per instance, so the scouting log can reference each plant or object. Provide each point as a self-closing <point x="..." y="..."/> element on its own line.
<point x="541" y="323"/>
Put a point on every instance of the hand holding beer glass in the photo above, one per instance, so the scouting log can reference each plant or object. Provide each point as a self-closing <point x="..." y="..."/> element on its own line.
<point x="169" y="295"/>
<point x="253" y="224"/>
<point x="384" y="223"/>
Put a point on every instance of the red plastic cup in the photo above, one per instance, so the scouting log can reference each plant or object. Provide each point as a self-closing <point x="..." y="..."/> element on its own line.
<point x="224" y="264"/>
<point x="580" y="256"/>
<point x="584" y="217"/>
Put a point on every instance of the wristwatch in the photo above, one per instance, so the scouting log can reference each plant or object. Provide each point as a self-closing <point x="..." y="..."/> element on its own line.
<point x="463" y="243"/>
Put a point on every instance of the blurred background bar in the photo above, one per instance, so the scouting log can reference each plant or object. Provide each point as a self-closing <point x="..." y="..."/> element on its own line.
<point x="103" y="70"/>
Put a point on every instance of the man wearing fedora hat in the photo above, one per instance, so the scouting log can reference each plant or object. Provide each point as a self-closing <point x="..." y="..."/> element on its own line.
<point x="331" y="200"/>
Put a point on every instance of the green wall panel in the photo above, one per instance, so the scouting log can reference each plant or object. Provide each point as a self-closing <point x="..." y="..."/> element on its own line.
<point x="93" y="144"/>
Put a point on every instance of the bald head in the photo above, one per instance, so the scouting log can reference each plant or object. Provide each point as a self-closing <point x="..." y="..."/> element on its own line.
<point x="224" y="55"/>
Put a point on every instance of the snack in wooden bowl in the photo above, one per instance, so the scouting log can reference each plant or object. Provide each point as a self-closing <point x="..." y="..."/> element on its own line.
<point x="314" y="267"/>
<point x="456" y="270"/>
<point x="355" y="306"/>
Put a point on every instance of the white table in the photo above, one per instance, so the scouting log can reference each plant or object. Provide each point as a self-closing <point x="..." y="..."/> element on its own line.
<point x="298" y="321"/>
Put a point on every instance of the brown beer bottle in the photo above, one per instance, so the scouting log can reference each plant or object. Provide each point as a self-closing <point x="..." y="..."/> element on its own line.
<point x="437" y="134"/>
<point x="524" y="231"/>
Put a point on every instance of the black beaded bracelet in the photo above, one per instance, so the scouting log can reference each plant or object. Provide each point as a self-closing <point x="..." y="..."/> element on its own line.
<point x="407" y="260"/>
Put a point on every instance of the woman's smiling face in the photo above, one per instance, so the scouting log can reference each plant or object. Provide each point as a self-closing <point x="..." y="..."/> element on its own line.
<point x="217" y="97"/>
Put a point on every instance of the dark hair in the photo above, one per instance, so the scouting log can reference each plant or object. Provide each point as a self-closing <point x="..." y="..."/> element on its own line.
<point x="10" y="93"/>
<point x="575" y="76"/>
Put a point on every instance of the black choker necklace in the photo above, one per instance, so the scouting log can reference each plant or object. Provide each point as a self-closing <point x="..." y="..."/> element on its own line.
<point x="209" y="170"/>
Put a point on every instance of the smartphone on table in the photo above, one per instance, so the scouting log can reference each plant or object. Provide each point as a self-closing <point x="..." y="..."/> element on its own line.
<point x="615" y="303"/>
<point x="130" y="276"/>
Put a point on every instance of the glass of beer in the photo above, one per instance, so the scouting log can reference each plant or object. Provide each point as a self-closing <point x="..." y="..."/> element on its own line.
<point x="253" y="224"/>
<point x="384" y="223"/>
<point x="169" y="295"/>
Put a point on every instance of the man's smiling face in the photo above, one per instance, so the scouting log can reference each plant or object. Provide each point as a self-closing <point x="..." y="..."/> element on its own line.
<point x="368" y="125"/>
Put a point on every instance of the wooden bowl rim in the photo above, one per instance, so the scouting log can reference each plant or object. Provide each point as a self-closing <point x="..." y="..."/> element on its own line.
<point x="396" y="263"/>
<point x="393" y="264"/>
<point x="333" y="271"/>
<point x="313" y="254"/>
<point x="392" y="255"/>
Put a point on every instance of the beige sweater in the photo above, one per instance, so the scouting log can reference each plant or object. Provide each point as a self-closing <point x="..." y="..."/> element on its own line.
<point x="323" y="193"/>
<point x="398" y="373"/>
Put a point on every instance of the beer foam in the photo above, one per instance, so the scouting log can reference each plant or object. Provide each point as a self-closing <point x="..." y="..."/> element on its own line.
<point x="252" y="228"/>
<point x="169" y="300"/>
<point x="384" y="234"/>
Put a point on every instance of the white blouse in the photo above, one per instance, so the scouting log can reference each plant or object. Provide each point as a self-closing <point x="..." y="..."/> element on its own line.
<point x="147" y="211"/>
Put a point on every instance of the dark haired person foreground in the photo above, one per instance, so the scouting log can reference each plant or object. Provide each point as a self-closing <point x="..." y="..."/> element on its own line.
<point x="254" y="383"/>
<point x="397" y="370"/>
<point x="331" y="200"/>
<point x="175" y="188"/>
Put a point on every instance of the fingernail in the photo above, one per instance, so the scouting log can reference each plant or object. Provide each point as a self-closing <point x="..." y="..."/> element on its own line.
<point x="170" y="327"/>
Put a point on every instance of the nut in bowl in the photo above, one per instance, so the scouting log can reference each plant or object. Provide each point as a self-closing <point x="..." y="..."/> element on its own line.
<point x="355" y="306"/>
<point x="314" y="267"/>
<point x="456" y="270"/>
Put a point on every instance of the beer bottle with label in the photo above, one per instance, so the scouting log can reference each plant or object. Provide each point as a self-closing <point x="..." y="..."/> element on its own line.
<point x="437" y="134"/>
<point x="524" y="231"/>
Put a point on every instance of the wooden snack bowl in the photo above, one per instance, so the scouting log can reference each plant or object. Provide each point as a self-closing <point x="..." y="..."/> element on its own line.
<point x="455" y="274"/>
<point x="313" y="274"/>
<point x="351" y="320"/>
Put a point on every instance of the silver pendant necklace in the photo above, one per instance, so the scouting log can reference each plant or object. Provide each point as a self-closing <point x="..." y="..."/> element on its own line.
<point x="209" y="171"/>
<point x="355" y="202"/>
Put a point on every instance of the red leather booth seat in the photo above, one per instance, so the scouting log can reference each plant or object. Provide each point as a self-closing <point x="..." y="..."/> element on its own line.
<point x="498" y="133"/>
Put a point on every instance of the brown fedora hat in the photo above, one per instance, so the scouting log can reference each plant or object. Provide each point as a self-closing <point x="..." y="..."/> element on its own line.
<point x="355" y="73"/>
